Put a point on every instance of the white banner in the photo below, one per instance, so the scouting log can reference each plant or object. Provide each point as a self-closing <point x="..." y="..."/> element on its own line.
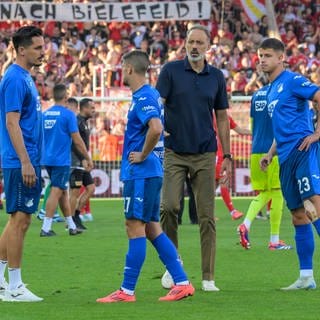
<point x="135" y="11"/>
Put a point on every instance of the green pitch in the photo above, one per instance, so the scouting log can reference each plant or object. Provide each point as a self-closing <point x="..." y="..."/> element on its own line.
<point x="71" y="272"/>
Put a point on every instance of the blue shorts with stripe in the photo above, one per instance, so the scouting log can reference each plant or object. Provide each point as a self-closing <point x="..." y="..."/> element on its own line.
<point x="19" y="197"/>
<point x="142" y="199"/>
<point x="59" y="176"/>
<point x="300" y="176"/>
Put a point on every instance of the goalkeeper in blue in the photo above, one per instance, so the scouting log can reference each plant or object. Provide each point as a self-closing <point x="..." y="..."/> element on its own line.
<point x="297" y="145"/>
<point x="141" y="173"/>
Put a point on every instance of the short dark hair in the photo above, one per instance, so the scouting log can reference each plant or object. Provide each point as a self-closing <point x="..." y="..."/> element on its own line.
<point x="72" y="100"/>
<point x="84" y="102"/>
<point x="59" y="92"/>
<point x="199" y="27"/>
<point x="23" y="36"/>
<point x="138" y="59"/>
<point x="272" y="43"/>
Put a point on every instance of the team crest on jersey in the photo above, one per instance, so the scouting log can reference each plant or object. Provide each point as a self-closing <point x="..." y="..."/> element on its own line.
<point x="280" y="87"/>
<point x="260" y="105"/>
<point x="271" y="107"/>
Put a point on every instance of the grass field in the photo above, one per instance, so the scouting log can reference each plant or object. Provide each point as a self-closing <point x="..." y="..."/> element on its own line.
<point x="71" y="272"/>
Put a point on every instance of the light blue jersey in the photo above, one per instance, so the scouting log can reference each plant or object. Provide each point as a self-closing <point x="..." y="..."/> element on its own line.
<point x="18" y="93"/>
<point x="262" y="132"/>
<point x="58" y="125"/>
<point x="288" y="107"/>
<point x="146" y="104"/>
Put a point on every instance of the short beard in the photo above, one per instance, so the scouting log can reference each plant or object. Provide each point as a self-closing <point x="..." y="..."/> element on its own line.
<point x="195" y="59"/>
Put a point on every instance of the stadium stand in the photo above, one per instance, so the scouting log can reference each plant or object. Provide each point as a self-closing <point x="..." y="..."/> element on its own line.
<point x="86" y="57"/>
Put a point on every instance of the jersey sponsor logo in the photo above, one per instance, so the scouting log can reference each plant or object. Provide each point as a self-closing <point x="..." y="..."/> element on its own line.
<point x="297" y="77"/>
<point x="306" y="84"/>
<point x="38" y="106"/>
<point x="49" y="124"/>
<point x="160" y="144"/>
<point x="260" y="105"/>
<point x="52" y="113"/>
<point x="148" y="108"/>
<point x="271" y="107"/>
<point x="139" y="199"/>
<point x="142" y="98"/>
<point x="159" y="154"/>
<point x="280" y="87"/>
<point x="261" y="93"/>
<point x="315" y="176"/>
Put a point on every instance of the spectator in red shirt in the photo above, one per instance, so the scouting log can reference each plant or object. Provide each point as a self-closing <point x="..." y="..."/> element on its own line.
<point x="297" y="58"/>
<point x="176" y="40"/>
<point x="290" y="39"/>
<point x="239" y="83"/>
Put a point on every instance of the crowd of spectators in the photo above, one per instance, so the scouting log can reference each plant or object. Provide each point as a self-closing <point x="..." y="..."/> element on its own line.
<point x="74" y="50"/>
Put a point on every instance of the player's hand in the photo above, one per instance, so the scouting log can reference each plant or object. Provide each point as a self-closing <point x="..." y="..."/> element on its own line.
<point x="84" y="163"/>
<point x="87" y="164"/>
<point x="264" y="162"/>
<point x="29" y="176"/>
<point x="225" y="172"/>
<point x="307" y="141"/>
<point x="90" y="165"/>
<point x="136" y="157"/>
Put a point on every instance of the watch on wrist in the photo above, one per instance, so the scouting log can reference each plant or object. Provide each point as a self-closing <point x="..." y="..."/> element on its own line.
<point x="227" y="156"/>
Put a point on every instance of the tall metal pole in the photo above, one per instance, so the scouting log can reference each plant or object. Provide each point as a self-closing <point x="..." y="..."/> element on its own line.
<point x="222" y="15"/>
<point x="272" y="22"/>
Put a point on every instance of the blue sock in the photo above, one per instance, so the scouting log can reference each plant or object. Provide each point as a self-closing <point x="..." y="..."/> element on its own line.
<point x="305" y="245"/>
<point x="169" y="257"/>
<point x="134" y="261"/>
<point x="316" y="224"/>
